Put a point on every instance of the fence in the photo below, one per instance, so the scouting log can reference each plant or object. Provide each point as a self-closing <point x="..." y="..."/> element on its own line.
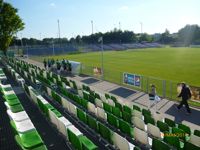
<point x="165" y="88"/>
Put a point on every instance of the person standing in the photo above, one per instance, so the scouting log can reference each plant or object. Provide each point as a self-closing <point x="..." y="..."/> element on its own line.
<point x="45" y="63"/>
<point x="185" y="95"/>
<point x="152" y="94"/>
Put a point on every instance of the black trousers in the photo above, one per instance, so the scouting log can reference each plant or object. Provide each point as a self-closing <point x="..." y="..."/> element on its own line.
<point x="184" y="102"/>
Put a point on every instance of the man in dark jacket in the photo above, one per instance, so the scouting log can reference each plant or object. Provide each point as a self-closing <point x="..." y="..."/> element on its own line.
<point x="186" y="95"/>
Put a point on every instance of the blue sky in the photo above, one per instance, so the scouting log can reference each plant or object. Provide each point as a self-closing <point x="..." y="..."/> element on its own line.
<point x="40" y="16"/>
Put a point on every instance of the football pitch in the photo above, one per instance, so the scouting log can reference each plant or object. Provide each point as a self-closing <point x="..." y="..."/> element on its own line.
<point x="175" y="64"/>
<point x="155" y="65"/>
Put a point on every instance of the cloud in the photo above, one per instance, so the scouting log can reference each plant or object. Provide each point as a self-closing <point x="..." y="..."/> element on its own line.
<point x="52" y="4"/>
<point x="123" y="8"/>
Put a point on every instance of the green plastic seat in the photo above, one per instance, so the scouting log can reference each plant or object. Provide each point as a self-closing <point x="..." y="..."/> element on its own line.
<point x="170" y="122"/>
<point x="81" y="115"/>
<point x="56" y="97"/>
<point x="48" y="107"/>
<point x="92" y="99"/>
<point x="146" y="112"/>
<point x="184" y="128"/>
<point x="197" y="132"/>
<point x="136" y="107"/>
<point x="118" y="105"/>
<point x="87" y="144"/>
<point x="105" y="132"/>
<point x="127" y="109"/>
<point x="107" y="107"/>
<point x="85" y="95"/>
<point x="190" y="146"/>
<point x="107" y="96"/>
<point x="29" y="140"/>
<point x="92" y="123"/>
<point x="173" y="140"/>
<point x="148" y="119"/>
<point x="179" y="133"/>
<point x="125" y="127"/>
<point x="113" y="98"/>
<point x="112" y="120"/>
<point x="159" y="145"/>
<point x="77" y="99"/>
<point x="126" y="117"/>
<point x="13" y="102"/>
<point x="84" y="103"/>
<point x="117" y="112"/>
<point x="97" y="96"/>
<point x="162" y="126"/>
<point x="10" y="96"/>
<point x="74" y="136"/>
<point x="16" y="108"/>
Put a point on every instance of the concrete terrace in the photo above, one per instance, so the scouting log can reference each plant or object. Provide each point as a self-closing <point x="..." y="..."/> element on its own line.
<point x="130" y="97"/>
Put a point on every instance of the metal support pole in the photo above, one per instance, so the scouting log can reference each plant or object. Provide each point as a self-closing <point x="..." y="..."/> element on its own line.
<point x="102" y="67"/>
<point x="164" y="88"/>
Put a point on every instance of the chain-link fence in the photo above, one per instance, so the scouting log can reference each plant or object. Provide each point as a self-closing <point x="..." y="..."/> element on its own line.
<point x="165" y="88"/>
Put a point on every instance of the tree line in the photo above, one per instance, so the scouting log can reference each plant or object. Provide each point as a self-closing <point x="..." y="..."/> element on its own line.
<point x="190" y="34"/>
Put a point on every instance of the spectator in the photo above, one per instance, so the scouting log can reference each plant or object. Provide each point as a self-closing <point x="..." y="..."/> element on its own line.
<point x="45" y="63"/>
<point x="185" y="95"/>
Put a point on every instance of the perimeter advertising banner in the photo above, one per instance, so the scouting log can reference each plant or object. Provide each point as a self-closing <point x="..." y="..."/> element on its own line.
<point x="132" y="79"/>
<point x="195" y="91"/>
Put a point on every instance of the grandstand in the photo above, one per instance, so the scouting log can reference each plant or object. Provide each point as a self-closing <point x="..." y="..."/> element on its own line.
<point x="38" y="50"/>
<point x="74" y="115"/>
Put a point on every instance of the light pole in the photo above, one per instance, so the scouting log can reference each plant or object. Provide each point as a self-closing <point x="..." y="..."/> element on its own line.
<point x="102" y="67"/>
<point x="141" y="27"/>
<point x="92" y="25"/>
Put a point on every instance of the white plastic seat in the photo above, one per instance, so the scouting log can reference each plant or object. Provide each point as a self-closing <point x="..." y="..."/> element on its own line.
<point x="65" y="103"/>
<point x="17" y="117"/>
<point x="195" y="140"/>
<point x="140" y="136"/>
<point x="24" y="126"/>
<point x="98" y="103"/>
<point x="80" y="93"/>
<point x="103" y="98"/>
<point x="139" y="123"/>
<point x="91" y="108"/>
<point x="74" y="130"/>
<point x="48" y="91"/>
<point x="137" y="113"/>
<point x="153" y="130"/>
<point x="101" y="113"/>
<point x="63" y="125"/>
<point x="72" y="109"/>
<point x="44" y="101"/>
<point x="111" y="103"/>
<point x="120" y="142"/>
<point x="8" y="92"/>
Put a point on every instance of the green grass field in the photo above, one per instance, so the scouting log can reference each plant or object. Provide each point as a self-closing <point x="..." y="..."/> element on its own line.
<point x="171" y="64"/>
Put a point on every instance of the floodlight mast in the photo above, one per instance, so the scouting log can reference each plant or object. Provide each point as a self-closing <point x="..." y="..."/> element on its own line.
<point x="92" y="26"/>
<point x="102" y="67"/>
<point x="141" y="27"/>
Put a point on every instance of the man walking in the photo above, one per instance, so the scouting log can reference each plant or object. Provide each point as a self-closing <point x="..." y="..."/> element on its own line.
<point x="186" y="95"/>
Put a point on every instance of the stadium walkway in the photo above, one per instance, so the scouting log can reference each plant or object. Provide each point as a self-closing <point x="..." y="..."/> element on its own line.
<point x="130" y="97"/>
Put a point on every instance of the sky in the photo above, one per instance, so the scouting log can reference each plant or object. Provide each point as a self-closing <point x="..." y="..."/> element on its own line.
<point x="75" y="16"/>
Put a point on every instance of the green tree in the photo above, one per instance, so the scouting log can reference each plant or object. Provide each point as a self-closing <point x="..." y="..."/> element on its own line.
<point x="189" y="34"/>
<point x="10" y="24"/>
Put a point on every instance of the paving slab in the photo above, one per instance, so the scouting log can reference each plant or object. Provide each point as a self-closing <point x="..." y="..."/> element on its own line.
<point x="123" y="92"/>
